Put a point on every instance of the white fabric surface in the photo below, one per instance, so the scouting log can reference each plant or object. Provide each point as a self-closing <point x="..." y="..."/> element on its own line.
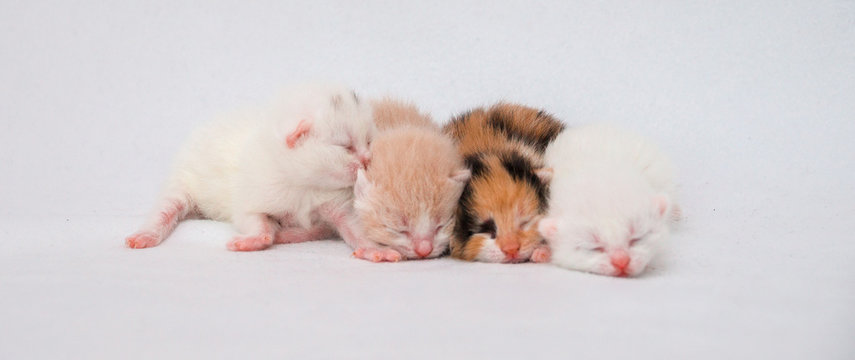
<point x="754" y="100"/>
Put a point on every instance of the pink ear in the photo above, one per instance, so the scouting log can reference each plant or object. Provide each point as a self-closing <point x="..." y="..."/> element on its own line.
<point x="547" y="227"/>
<point x="661" y="201"/>
<point x="545" y="174"/>
<point x="302" y="129"/>
<point x="461" y="175"/>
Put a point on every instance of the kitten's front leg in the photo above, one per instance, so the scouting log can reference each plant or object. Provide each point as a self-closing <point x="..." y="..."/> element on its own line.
<point x="257" y="232"/>
<point x="346" y="224"/>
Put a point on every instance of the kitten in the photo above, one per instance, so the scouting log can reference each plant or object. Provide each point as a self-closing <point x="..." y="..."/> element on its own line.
<point x="509" y="186"/>
<point x="406" y="198"/>
<point x="612" y="201"/>
<point x="288" y="168"/>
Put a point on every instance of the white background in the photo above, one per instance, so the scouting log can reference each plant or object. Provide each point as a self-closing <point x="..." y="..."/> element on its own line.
<point x="754" y="101"/>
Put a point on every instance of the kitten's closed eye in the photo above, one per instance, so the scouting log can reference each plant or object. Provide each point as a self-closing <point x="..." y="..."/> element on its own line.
<point x="348" y="146"/>
<point x="444" y="223"/>
<point x="488" y="227"/>
<point x="634" y="241"/>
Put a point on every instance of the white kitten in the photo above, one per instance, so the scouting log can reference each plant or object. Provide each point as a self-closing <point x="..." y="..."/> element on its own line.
<point x="612" y="201"/>
<point x="288" y="168"/>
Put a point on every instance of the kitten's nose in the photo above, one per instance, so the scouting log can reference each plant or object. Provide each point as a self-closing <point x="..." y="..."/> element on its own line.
<point x="620" y="259"/>
<point x="423" y="248"/>
<point x="510" y="248"/>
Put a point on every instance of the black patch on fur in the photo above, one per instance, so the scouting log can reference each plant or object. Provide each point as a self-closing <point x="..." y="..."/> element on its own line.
<point x="499" y="123"/>
<point x="555" y="127"/>
<point x="457" y="121"/>
<point x="462" y="117"/>
<point x="488" y="227"/>
<point x="506" y="126"/>
<point x="476" y="165"/>
<point x="464" y="223"/>
<point x="521" y="169"/>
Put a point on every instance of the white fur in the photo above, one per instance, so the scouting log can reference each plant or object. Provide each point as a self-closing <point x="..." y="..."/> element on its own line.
<point x="490" y="252"/>
<point x="241" y="169"/>
<point x="607" y="182"/>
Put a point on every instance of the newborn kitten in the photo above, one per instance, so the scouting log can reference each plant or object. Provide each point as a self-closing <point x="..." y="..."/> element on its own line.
<point x="406" y="198"/>
<point x="612" y="201"/>
<point x="509" y="188"/>
<point x="289" y="168"/>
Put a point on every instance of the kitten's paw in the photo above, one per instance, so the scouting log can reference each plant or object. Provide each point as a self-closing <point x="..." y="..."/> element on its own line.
<point x="250" y="243"/>
<point x="142" y="239"/>
<point x="377" y="255"/>
<point x="541" y="254"/>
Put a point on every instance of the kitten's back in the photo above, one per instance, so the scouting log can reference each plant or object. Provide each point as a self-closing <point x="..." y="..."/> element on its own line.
<point x="604" y="146"/>
<point x="390" y="113"/>
<point x="481" y="129"/>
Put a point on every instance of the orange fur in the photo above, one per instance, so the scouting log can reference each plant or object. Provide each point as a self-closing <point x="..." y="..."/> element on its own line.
<point x="470" y="249"/>
<point x="390" y="113"/>
<point x="409" y="191"/>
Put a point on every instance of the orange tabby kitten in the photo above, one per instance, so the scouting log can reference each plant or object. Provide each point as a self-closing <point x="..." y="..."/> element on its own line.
<point x="405" y="199"/>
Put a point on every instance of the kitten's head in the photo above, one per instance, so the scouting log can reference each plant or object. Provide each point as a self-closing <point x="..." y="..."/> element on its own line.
<point x="500" y="208"/>
<point x="615" y="232"/>
<point x="406" y="198"/>
<point x="332" y="137"/>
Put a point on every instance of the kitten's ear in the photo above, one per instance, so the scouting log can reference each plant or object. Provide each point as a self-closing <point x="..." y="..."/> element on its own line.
<point x="302" y="129"/>
<point x="362" y="187"/>
<point x="661" y="204"/>
<point x="544" y="174"/>
<point x="548" y="227"/>
<point x="461" y="176"/>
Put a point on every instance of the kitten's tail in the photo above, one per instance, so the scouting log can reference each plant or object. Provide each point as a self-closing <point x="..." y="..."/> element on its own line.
<point x="174" y="207"/>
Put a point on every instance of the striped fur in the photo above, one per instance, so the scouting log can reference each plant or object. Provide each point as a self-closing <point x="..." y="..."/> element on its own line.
<point x="509" y="189"/>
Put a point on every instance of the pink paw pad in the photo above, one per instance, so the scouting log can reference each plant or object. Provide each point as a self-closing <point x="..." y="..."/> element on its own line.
<point x="142" y="240"/>
<point x="250" y="243"/>
<point x="377" y="255"/>
<point x="541" y="255"/>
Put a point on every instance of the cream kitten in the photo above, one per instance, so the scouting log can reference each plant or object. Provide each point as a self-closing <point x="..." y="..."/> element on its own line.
<point x="612" y="201"/>
<point x="406" y="198"/>
<point x="288" y="168"/>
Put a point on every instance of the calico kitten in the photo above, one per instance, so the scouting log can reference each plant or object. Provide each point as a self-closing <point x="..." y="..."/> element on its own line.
<point x="406" y="198"/>
<point x="509" y="187"/>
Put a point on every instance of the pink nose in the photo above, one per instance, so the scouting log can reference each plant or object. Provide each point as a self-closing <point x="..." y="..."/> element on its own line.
<point x="423" y="248"/>
<point x="511" y="248"/>
<point x="620" y="259"/>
